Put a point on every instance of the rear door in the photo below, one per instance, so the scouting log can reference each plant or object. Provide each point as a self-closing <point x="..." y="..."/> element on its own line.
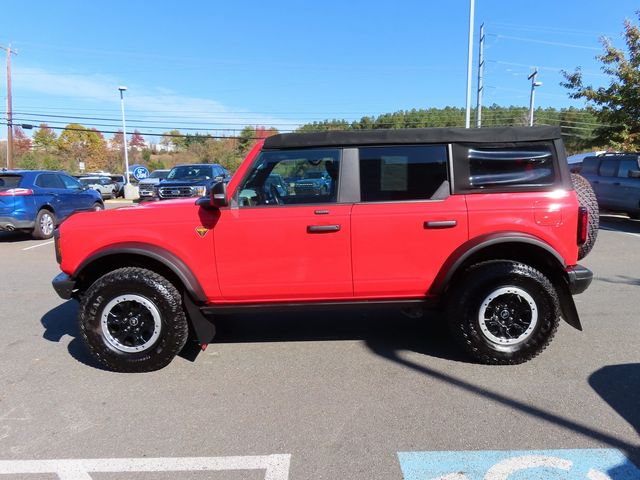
<point x="628" y="193"/>
<point x="51" y="191"/>
<point x="608" y="192"/>
<point x="406" y="223"/>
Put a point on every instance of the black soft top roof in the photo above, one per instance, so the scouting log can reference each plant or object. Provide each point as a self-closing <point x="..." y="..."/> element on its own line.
<point x="343" y="138"/>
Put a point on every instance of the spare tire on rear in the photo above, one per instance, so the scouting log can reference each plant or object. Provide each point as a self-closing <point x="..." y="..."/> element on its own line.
<point x="587" y="198"/>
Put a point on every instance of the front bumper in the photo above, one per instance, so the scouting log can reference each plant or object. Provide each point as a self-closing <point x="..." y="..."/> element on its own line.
<point x="579" y="278"/>
<point x="64" y="285"/>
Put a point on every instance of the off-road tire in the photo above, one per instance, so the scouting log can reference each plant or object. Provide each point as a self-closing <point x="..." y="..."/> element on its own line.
<point x="587" y="198"/>
<point x="155" y="288"/>
<point x="465" y="299"/>
<point x="38" y="231"/>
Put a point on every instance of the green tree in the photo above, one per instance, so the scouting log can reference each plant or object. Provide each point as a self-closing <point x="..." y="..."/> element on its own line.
<point x="44" y="138"/>
<point x="616" y="106"/>
<point x="82" y="144"/>
<point x="173" y="137"/>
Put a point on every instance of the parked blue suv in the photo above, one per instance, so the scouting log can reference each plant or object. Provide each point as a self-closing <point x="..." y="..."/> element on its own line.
<point x="36" y="201"/>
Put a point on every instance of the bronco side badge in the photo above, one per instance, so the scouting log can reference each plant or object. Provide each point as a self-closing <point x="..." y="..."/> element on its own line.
<point x="202" y="231"/>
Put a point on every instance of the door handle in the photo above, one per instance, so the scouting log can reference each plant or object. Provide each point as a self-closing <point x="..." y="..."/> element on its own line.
<point x="323" y="228"/>
<point x="440" y="224"/>
<point x="596" y="181"/>
<point x="617" y="184"/>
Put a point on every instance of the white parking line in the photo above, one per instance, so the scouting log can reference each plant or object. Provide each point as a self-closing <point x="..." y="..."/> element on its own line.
<point x="39" y="245"/>
<point x="276" y="467"/>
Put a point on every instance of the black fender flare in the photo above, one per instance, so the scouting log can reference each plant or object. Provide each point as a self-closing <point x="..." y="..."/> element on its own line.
<point x="475" y="245"/>
<point x="159" y="254"/>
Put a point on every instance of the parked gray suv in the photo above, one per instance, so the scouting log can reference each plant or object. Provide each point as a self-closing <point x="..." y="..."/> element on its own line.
<point x="615" y="178"/>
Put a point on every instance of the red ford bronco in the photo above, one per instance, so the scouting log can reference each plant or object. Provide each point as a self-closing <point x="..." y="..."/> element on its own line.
<point x="485" y="224"/>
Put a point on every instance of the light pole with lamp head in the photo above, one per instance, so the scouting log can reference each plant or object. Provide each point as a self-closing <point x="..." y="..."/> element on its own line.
<point x="129" y="191"/>
<point x="532" y="98"/>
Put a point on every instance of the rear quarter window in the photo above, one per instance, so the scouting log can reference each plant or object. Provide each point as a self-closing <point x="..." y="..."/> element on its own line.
<point x="9" y="181"/>
<point x="506" y="167"/>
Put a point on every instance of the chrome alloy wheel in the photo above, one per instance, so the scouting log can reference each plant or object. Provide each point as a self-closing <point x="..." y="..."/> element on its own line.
<point x="46" y="224"/>
<point x="130" y="323"/>
<point x="508" y="316"/>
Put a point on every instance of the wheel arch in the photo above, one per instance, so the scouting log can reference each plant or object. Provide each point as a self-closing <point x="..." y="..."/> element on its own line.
<point x="142" y="255"/>
<point x="500" y="246"/>
<point x="517" y="247"/>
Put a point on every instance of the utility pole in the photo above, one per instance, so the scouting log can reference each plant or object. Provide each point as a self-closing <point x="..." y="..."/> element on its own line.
<point x="480" y="78"/>
<point x="9" y="108"/>
<point x="467" y="122"/>
<point x="532" y="98"/>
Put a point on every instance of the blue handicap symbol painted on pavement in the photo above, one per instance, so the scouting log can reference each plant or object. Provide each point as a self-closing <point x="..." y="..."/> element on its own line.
<point x="588" y="464"/>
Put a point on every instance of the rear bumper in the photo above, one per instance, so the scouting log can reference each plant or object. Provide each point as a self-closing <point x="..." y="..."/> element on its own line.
<point x="579" y="278"/>
<point x="11" y="223"/>
<point x="64" y="285"/>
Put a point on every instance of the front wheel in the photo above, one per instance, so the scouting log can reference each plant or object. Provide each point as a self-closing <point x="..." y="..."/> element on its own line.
<point x="503" y="312"/>
<point x="132" y="320"/>
<point x="98" y="206"/>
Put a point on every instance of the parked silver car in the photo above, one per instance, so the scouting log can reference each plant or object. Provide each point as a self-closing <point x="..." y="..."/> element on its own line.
<point x="104" y="185"/>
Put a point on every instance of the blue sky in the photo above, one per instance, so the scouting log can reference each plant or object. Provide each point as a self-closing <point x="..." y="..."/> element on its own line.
<point x="222" y="65"/>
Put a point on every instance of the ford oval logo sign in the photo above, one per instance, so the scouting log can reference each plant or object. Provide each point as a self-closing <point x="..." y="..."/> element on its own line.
<point x="140" y="173"/>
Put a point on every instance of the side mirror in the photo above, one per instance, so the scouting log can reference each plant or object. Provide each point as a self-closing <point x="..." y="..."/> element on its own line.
<point x="219" y="195"/>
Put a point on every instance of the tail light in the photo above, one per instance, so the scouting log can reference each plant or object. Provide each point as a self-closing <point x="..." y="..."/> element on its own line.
<point x="583" y="225"/>
<point x="16" y="192"/>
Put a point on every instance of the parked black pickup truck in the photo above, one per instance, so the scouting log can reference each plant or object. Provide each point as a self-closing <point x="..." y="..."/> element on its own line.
<point x="191" y="181"/>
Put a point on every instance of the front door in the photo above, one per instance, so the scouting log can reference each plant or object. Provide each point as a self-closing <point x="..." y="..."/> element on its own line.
<point x="286" y="237"/>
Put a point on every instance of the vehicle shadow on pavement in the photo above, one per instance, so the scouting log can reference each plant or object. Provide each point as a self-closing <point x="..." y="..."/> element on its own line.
<point x="13" y="237"/>
<point x="388" y="328"/>
<point x="606" y="387"/>
<point x="620" y="279"/>
<point x="619" y="386"/>
<point x="61" y="321"/>
<point x="619" y="223"/>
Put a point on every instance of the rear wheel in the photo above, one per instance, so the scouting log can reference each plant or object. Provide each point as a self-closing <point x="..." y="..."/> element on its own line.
<point x="132" y="320"/>
<point x="98" y="206"/>
<point x="45" y="225"/>
<point x="503" y="312"/>
<point x="587" y="198"/>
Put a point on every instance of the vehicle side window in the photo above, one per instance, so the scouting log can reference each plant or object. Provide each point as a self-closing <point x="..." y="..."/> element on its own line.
<point x="590" y="165"/>
<point x="291" y="177"/>
<point x="70" y="183"/>
<point x="49" y="180"/>
<point x="608" y="167"/>
<point x="403" y="173"/>
<point x="511" y="166"/>
<point x="627" y="165"/>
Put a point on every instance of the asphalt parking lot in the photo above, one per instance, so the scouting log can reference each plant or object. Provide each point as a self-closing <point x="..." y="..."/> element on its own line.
<point x="306" y="396"/>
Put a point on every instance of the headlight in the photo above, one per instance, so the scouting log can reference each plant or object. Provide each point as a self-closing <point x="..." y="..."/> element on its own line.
<point x="200" y="191"/>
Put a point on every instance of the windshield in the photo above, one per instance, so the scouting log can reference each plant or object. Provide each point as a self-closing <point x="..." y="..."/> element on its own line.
<point x="159" y="174"/>
<point x="191" y="172"/>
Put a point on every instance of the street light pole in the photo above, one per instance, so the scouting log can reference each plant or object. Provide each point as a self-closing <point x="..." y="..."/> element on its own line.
<point x="532" y="98"/>
<point x="128" y="193"/>
<point x="469" y="64"/>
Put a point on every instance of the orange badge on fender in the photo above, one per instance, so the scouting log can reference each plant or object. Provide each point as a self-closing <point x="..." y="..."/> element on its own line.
<point x="202" y="231"/>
